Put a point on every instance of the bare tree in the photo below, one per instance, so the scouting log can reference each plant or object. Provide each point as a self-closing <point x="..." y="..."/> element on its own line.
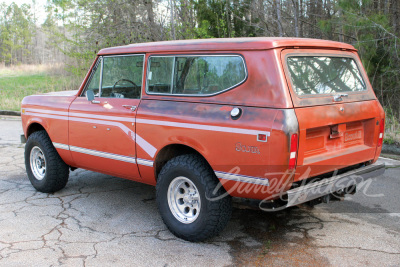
<point x="296" y="17"/>
<point x="278" y="16"/>
<point x="172" y="19"/>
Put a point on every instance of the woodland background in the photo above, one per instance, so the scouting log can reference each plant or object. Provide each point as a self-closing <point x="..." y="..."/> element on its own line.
<point x="64" y="46"/>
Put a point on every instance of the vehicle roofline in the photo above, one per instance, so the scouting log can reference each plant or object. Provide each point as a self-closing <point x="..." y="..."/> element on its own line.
<point x="225" y="44"/>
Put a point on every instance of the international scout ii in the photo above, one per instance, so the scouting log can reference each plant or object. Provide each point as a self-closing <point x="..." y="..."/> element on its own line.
<point x="281" y="120"/>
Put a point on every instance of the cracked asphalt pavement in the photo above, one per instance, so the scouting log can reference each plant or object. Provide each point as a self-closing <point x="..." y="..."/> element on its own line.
<point x="100" y="220"/>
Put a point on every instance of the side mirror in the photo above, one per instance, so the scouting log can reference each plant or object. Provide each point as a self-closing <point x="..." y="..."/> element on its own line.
<point x="90" y="95"/>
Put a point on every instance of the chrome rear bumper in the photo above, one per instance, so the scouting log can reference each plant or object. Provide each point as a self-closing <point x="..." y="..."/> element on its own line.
<point x="327" y="186"/>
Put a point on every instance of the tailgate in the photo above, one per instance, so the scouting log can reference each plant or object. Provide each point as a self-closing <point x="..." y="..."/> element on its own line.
<point x="332" y="137"/>
<point x="337" y="111"/>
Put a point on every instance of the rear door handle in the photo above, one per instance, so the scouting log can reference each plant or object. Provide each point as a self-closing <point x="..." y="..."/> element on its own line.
<point x="133" y="108"/>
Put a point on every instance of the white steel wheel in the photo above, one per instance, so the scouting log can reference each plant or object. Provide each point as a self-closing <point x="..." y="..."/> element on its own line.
<point x="189" y="204"/>
<point x="184" y="200"/>
<point x="38" y="163"/>
<point x="46" y="171"/>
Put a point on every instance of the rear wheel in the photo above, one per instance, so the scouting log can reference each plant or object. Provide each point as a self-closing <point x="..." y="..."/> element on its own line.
<point x="187" y="200"/>
<point x="46" y="170"/>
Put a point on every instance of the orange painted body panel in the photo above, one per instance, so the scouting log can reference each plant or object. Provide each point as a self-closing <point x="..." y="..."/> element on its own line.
<point x="316" y="123"/>
<point x="108" y="138"/>
<point x="42" y="110"/>
<point x="107" y="127"/>
<point x="208" y="129"/>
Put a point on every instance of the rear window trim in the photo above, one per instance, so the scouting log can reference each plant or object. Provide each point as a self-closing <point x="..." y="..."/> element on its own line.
<point x="195" y="55"/>
<point x="289" y="77"/>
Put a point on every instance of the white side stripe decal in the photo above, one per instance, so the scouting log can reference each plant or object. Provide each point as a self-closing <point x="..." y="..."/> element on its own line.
<point x="150" y="163"/>
<point x="242" y="178"/>
<point x="104" y="117"/>
<point x="202" y="127"/>
<point x="47" y="116"/>
<point x="144" y="162"/>
<point x="61" y="146"/>
<point x="125" y="129"/>
<point x="153" y="122"/>
<point x="146" y="146"/>
<point x="47" y="111"/>
<point x="102" y="154"/>
<point x="83" y="115"/>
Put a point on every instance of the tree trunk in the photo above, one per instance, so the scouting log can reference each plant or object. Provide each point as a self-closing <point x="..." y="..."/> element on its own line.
<point x="395" y="10"/>
<point x="172" y="20"/>
<point x="301" y="17"/>
<point x="150" y="16"/>
<point x="228" y="18"/>
<point x="296" y="17"/>
<point x="278" y="16"/>
<point x="341" y="26"/>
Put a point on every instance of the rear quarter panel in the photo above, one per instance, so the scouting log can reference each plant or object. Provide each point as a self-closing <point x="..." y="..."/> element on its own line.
<point x="209" y="129"/>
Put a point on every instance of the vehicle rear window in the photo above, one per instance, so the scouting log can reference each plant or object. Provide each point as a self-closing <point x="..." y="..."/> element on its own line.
<point x="194" y="75"/>
<point x="312" y="75"/>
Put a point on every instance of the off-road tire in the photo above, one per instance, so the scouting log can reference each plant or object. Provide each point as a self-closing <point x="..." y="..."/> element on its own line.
<point x="214" y="214"/>
<point x="56" y="171"/>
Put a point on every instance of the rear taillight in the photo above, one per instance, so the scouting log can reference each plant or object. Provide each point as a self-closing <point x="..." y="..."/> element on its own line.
<point x="293" y="151"/>
<point x="381" y="130"/>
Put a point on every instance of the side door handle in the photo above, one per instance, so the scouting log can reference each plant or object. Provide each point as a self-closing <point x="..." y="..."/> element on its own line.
<point x="133" y="108"/>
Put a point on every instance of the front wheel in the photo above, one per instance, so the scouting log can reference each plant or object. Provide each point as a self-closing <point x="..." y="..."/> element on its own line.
<point x="46" y="170"/>
<point x="191" y="202"/>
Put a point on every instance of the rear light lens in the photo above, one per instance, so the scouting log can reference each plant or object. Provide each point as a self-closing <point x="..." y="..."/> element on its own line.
<point x="293" y="151"/>
<point x="381" y="130"/>
<point x="262" y="137"/>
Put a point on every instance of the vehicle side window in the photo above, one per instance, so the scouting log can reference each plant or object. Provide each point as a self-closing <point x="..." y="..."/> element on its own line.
<point x="160" y="74"/>
<point x="94" y="83"/>
<point x="122" y="77"/>
<point x="194" y="75"/>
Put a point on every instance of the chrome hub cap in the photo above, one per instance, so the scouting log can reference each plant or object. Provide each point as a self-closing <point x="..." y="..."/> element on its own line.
<point x="38" y="163"/>
<point x="184" y="200"/>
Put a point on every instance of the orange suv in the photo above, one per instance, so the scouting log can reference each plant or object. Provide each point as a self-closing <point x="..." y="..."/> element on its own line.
<point x="283" y="121"/>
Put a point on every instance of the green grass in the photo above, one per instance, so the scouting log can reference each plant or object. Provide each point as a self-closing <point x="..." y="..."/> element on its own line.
<point x="14" y="88"/>
<point x="392" y="128"/>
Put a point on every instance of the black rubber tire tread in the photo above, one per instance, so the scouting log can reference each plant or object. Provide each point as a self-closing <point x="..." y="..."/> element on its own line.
<point x="57" y="172"/>
<point x="215" y="214"/>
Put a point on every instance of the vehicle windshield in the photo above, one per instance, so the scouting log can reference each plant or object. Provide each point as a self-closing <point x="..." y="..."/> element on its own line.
<point x="312" y="75"/>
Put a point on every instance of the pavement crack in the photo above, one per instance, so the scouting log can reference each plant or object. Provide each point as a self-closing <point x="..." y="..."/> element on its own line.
<point x="360" y="248"/>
